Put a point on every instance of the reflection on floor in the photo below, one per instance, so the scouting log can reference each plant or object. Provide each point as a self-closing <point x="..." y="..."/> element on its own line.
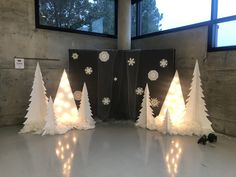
<point x="113" y="150"/>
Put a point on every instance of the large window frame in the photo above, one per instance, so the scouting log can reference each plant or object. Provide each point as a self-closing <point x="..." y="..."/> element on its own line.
<point x="40" y="26"/>
<point x="212" y="27"/>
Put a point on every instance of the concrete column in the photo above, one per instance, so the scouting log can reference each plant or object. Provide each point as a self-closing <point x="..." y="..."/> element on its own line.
<point x="124" y="24"/>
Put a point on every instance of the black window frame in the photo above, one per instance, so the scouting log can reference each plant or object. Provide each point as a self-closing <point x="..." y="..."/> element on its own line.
<point x="40" y="26"/>
<point x="212" y="28"/>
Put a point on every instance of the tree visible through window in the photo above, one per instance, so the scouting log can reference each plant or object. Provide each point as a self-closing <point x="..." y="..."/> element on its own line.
<point x="82" y="15"/>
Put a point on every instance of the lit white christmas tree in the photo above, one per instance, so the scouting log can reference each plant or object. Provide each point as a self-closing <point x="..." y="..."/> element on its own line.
<point x="196" y="111"/>
<point x="37" y="109"/>
<point x="167" y="123"/>
<point x="50" y="127"/>
<point x="85" y="114"/>
<point x="64" y="105"/>
<point x="146" y="119"/>
<point x="174" y="102"/>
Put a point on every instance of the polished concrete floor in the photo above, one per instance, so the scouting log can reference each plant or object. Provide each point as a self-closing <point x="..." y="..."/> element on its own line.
<point x="113" y="150"/>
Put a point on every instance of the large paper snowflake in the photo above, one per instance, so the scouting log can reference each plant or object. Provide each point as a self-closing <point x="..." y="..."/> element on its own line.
<point x="131" y="61"/>
<point x="163" y="63"/>
<point x="75" y="56"/>
<point x="104" y="56"/>
<point x="88" y="70"/>
<point x="106" y="101"/>
<point x="153" y="75"/>
<point x="77" y="95"/>
<point x="139" y="91"/>
<point x="155" y="102"/>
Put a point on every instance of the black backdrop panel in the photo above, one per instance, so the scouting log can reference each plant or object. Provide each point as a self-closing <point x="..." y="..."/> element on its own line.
<point x="118" y="81"/>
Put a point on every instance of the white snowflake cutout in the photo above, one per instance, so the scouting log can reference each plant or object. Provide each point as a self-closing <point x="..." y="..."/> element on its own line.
<point x="75" y="56"/>
<point x="106" y="101"/>
<point x="163" y="63"/>
<point x="139" y="91"/>
<point x="104" y="56"/>
<point x="88" y="70"/>
<point x="77" y="95"/>
<point x="115" y="79"/>
<point x="153" y="75"/>
<point x="131" y="61"/>
<point x="155" y="102"/>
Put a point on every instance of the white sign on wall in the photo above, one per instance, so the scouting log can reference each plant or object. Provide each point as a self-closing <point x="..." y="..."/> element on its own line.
<point x="19" y="63"/>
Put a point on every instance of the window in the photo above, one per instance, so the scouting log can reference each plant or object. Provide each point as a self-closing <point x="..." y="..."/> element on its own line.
<point x="161" y="15"/>
<point x="88" y="16"/>
<point x="222" y="34"/>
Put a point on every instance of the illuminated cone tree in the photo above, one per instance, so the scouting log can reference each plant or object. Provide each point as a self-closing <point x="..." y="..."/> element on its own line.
<point x="174" y="102"/>
<point x="37" y="109"/>
<point x="85" y="114"/>
<point x="64" y="105"/>
<point x="146" y="119"/>
<point x="196" y="111"/>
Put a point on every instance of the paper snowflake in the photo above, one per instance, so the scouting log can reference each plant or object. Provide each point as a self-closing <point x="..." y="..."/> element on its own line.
<point x="155" y="102"/>
<point x="153" y="75"/>
<point x="104" y="56"/>
<point x="115" y="79"/>
<point x="77" y="95"/>
<point x="131" y="62"/>
<point x="88" y="70"/>
<point x="139" y="91"/>
<point x="163" y="63"/>
<point x="75" y="56"/>
<point x="106" y="101"/>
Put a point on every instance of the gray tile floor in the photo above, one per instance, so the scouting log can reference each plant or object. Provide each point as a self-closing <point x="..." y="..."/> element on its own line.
<point x="113" y="150"/>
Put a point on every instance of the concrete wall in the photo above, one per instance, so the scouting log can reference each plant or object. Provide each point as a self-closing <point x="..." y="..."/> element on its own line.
<point x="218" y="70"/>
<point x="18" y="37"/>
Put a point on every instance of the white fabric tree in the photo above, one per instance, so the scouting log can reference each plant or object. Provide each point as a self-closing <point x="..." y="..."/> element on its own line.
<point x="50" y="127"/>
<point x="64" y="105"/>
<point x="196" y="111"/>
<point x="37" y="109"/>
<point x="174" y="102"/>
<point x="85" y="114"/>
<point x="167" y="123"/>
<point x="146" y="119"/>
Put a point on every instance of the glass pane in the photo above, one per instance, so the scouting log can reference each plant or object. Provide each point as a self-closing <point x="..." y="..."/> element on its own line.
<point x="86" y="15"/>
<point x="226" y="35"/>
<point x="133" y="21"/>
<point x="159" y="15"/>
<point x="226" y="8"/>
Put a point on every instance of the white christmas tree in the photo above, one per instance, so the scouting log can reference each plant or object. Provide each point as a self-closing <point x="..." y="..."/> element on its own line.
<point x="37" y="109"/>
<point x="64" y="105"/>
<point x="146" y="119"/>
<point x="167" y="123"/>
<point x="50" y="127"/>
<point x="174" y="102"/>
<point x="85" y="114"/>
<point x="196" y="111"/>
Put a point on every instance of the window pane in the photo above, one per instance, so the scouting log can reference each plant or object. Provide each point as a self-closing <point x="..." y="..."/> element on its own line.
<point x="159" y="15"/>
<point x="86" y="15"/>
<point x="133" y="20"/>
<point x="226" y="35"/>
<point x="226" y="8"/>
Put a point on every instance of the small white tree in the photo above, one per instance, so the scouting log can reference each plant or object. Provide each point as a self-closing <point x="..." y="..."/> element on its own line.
<point x="37" y="109"/>
<point x="64" y="105"/>
<point x="167" y="123"/>
<point x="85" y="114"/>
<point x="50" y="127"/>
<point x="146" y="119"/>
<point x="196" y="111"/>
<point x="174" y="102"/>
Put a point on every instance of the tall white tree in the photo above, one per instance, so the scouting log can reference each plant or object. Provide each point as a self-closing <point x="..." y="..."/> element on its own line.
<point x="196" y="111"/>
<point x="64" y="105"/>
<point x="146" y="119"/>
<point x="50" y="127"/>
<point x="85" y="114"/>
<point x="174" y="102"/>
<point x="37" y="110"/>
